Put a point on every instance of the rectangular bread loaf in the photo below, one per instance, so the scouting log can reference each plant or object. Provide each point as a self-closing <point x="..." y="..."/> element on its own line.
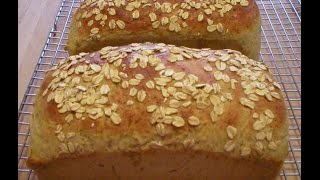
<point x="156" y="111"/>
<point x="216" y="24"/>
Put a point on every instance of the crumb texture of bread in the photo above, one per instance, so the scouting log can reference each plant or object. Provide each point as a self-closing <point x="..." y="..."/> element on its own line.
<point x="157" y="111"/>
<point x="233" y="24"/>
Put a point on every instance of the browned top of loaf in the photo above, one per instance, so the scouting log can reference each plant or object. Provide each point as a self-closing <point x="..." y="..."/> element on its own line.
<point x="139" y="97"/>
<point x="178" y="16"/>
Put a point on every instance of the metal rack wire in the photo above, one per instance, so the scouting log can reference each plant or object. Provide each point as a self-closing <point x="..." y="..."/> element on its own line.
<point x="280" y="49"/>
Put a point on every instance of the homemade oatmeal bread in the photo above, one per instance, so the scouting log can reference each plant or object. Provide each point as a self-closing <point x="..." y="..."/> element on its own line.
<point x="156" y="111"/>
<point x="216" y="24"/>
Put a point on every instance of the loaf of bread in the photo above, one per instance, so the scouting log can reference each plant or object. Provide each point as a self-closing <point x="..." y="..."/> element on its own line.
<point x="156" y="111"/>
<point x="215" y="24"/>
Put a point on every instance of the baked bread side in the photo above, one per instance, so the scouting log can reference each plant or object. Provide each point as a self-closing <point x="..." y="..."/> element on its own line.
<point x="196" y="24"/>
<point x="158" y="111"/>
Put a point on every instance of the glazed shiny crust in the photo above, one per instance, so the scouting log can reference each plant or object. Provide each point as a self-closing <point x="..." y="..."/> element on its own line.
<point x="230" y="24"/>
<point x="141" y="98"/>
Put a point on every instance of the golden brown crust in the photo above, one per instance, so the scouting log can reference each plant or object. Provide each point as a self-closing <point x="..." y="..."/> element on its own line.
<point x="238" y="29"/>
<point x="171" y="165"/>
<point x="235" y="105"/>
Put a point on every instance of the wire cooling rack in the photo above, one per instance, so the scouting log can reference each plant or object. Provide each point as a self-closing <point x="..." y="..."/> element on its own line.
<point x="280" y="49"/>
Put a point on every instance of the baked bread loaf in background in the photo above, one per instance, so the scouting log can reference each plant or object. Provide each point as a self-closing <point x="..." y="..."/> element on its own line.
<point x="215" y="24"/>
<point x="156" y="111"/>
